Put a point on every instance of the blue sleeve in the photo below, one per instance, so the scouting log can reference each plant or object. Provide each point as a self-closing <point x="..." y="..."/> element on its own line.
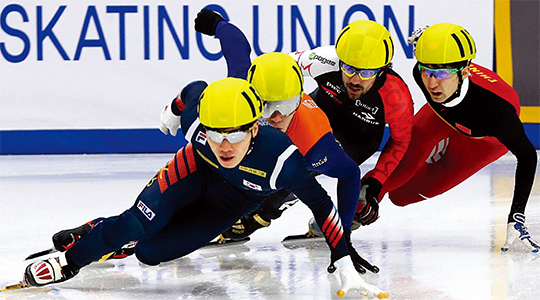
<point x="190" y="96"/>
<point x="327" y="157"/>
<point x="235" y="48"/>
<point x="304" y="185"/>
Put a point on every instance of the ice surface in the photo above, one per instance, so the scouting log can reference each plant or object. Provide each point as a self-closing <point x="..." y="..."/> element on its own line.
<point x="447" y="247"/>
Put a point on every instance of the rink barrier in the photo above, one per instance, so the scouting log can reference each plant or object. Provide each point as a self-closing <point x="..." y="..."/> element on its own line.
<point x="109" y="141"/>
<point x="89" y="141"/>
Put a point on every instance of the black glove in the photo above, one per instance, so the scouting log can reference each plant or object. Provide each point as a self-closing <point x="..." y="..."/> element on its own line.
<point x="207" y="21"/>
<point x="245" y="226"/>
<point x="360" y="264"/>
<point x="369" y="195"/>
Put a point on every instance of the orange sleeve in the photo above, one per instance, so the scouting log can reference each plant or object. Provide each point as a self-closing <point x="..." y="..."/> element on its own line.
<point x="308" y="125"/>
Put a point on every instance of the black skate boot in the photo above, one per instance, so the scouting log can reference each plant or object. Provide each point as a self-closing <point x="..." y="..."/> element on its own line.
<point x="65" y="239"/>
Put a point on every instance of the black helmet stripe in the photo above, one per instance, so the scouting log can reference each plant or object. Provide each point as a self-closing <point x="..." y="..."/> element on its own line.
<point x="392" y="44"/>
<point x="461" y="50"/>
<point x="471" y="42"/>
<point x="250" y="104"/>
<point x="345" y="30"/>
<point x="298" y="74"/>
<point x="387" y="56"/>
<point x="468" y="41"/>
<point x="259" y="100"/>
<point x="252" y="71"/>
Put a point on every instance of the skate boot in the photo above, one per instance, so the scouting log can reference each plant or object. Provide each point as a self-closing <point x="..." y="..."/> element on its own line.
<point x="53" y="270"/>
<point x="65" y="239"/>
<point x="126" y="250"/>
<point x="314" y="233"/>
<point x="517" y="231"/>
<point x="313" y="229"/>
<point x="245" y="227"/>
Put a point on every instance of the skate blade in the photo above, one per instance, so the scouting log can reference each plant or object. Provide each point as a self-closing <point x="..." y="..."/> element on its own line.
<point x="13" y="287"/>
<point x="302" y="241"/>
<point x="21" y="288"/>
<point x="226" y="243"/>
<point x="41" y="253"/>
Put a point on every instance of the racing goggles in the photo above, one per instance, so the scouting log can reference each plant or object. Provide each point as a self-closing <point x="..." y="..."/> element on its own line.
<point x="364" y="74"/>
<point x="440" y="74"/>
<point x="284" y="107"/>
<point x="233" y="137"/>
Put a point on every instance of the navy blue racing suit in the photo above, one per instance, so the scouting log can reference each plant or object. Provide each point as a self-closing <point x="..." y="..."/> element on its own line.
<point x="192" y="199"/>
<point x="324" y="155"/>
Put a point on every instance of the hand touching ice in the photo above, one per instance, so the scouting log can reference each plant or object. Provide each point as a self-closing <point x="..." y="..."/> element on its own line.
<point x="350" y="279"/>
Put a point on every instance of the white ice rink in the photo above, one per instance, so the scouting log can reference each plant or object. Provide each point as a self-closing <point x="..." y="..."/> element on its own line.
<point x="447" y="247"/>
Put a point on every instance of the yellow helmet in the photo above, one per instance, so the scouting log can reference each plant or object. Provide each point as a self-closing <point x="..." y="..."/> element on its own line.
<point x="276" y="76"/>
<point x="445" y="43"/>
<point x="365" y="44"/>
<point x="228" y="103"/>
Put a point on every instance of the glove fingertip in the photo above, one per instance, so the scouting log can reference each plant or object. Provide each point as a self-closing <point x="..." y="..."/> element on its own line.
<point x="345" y="288"/>
<point x="360" y="270"/>
<point x="164" y="130"/>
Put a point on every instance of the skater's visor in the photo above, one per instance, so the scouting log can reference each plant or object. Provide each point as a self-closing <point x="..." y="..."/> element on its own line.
<point x="284" y="107"/>
<point x="440" y="73"/>
<point x="364" y="74"/>
<point x="234" y="136"/>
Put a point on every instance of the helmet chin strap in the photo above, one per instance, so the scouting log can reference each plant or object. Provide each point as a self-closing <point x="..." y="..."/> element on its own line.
<point x="457" y="97"/>
<point x="252" y="143"/>
<point x="385" y="69"/>
<point x="458" y="91"/>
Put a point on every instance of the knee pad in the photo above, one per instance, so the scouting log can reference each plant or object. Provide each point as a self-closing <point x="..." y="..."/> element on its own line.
<point x="145" y="259"/>
<point x="398" y="201"/>
<point x="404" y="199"/>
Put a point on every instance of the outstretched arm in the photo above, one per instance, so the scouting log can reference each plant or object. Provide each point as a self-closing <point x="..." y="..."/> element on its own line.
<point x="234" y="44"/>
<point x="399" y="113"/>
<point x="512" y="135"/>
<point x="328" y="158"/>
<point x="235" y="48"/>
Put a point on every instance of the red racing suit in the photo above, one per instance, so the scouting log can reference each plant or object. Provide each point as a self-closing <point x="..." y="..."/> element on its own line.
<point x="452" y="141"/>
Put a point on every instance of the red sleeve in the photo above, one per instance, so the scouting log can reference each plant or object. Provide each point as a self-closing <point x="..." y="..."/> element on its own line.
<point x="399" y="111"/>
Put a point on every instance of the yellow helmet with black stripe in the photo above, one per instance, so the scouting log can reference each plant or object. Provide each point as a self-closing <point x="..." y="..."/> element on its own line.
<point x="276" y="76"/>
<point x="445" y="43"/>
<point x="365" y="44"/>
<point x="229" y="103"/>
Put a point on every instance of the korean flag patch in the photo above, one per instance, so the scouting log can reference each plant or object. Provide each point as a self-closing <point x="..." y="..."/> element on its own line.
<point x="201" y="137"/>
<point x="252" y="185"/>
